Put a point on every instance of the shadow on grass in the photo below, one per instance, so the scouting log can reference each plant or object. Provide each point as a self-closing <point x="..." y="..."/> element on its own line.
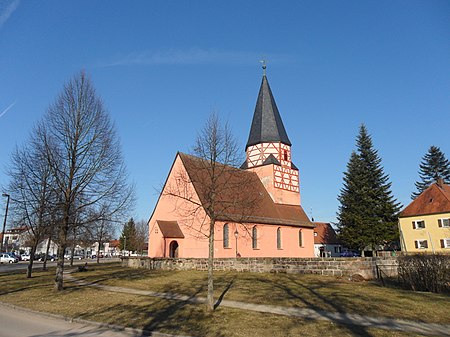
<point x="186" y="316"/>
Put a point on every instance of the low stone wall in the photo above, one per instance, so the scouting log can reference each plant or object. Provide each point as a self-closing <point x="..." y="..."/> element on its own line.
<point x="368" y="268"/>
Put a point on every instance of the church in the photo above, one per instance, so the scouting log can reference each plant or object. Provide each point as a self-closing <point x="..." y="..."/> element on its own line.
<point x="261" y="216"/>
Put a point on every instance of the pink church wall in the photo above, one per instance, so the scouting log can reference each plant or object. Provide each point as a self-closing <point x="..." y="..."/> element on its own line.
<point x="195" y="243"/>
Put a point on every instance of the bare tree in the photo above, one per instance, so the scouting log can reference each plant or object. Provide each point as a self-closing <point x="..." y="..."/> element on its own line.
<point x="31" y="188"/>
<point x="83" y="152"/>
<point x="141" y="235"/>
<point x="220" y="192"/>
<point x="102" y="228"/>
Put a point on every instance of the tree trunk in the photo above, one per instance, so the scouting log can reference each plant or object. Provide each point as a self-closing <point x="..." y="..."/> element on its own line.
<point x="59" y="277"/>
<point x="30" y="263"/>
<point x="210" y="296"/>
<point x="98" y="251"/>
<point x="59" y="280"/>
<point x="44" y="266"/>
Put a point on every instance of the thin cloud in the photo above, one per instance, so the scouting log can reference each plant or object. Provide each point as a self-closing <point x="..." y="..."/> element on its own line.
<point x="193" y="56"/>
<point x="7" y="8"/>
<point x="7" y="109"/>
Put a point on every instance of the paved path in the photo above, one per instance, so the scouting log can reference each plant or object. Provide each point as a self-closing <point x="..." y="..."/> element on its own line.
<point x="21" y="322"/>
<point x="342" y="318"/>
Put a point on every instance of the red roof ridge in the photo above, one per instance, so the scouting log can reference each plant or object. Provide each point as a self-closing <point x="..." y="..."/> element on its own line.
<point x="435" y="199"/>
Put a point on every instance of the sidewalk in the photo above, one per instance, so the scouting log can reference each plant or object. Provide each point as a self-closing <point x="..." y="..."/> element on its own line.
<point x="431" y="329"/>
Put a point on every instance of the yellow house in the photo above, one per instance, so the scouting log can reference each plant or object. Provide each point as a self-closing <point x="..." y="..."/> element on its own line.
<point x="425" y="222"/>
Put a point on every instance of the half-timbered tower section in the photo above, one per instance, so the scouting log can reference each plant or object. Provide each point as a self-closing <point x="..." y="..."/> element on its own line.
<point x="268" y="150"/>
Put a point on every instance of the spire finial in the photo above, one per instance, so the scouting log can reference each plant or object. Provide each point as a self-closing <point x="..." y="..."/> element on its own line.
<point x="264" y="66"/>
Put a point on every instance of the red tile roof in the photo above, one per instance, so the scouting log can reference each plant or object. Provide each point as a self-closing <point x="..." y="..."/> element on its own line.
<point x="325" y="233"/>
<point x="241" y="196"/>
<point x="435" y="199"/>
<point x="170" y="229"/>
<point x="114" y="243"/>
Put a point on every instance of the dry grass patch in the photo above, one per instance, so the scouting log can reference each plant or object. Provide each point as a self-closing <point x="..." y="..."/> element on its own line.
<point x="292" y="290"/>
<point x="179" y="317"/>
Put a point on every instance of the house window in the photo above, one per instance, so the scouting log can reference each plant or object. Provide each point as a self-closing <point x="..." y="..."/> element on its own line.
<point x="300" y="238"/>
<point x="278" y="238"/>
<point x="444" y="223"/>
<point x="445" y="243"/>
<point x="418" y="224"/>
<point x="226" y="237"/>
<point x="254" y="237"/>
<point x="337" y="249"/>
<point x="421" y="244"/>
<point x="285" y="155"/>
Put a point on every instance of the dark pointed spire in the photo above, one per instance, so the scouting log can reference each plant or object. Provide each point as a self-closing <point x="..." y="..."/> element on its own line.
<point x="267" y="125"/>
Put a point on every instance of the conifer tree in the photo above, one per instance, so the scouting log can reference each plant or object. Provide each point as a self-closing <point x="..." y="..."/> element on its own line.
<point x="127" y="240"/>
<point x="367" y="215"/>
<point x="434" y="166"/>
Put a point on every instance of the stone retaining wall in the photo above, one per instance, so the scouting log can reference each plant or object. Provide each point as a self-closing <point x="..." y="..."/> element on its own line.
<point x="368" y="268"/>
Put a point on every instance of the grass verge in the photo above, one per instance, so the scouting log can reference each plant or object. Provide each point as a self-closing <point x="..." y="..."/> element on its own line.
<point x="178" y="317"/>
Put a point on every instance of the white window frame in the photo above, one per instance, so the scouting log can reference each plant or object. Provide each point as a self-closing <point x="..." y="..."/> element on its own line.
<point x="442" y="222"/>
<point x="447" y="243"/>
<point x="422" y="241"/>
<point x="416" y="222"/>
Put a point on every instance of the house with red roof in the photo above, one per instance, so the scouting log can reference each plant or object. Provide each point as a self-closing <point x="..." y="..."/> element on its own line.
<point x="425" y="223"/>
<point x="259" y="213"/>
<point x="326" y="243"/>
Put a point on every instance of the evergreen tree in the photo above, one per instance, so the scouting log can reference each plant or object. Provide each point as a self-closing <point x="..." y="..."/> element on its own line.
<point x="434" y="166"/>
<point x="367" y="215"/>
<point x="128" y="237"/>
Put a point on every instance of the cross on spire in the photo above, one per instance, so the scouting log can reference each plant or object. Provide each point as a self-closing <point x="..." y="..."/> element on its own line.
<point x="264" y="66"/>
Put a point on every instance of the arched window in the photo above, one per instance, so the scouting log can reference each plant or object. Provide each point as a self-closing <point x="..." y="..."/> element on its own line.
<point x="254" y="237"/>
<point x="278" y="238"/>
<point x="226" y="236"/>
<point x="300" y="238"/>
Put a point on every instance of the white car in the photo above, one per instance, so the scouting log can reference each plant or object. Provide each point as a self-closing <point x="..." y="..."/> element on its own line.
<point x="7" y="258"/>
<point x="25" y="257"/>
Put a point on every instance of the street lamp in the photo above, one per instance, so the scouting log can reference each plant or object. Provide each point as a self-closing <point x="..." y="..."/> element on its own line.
<point x="4" y="221"/>
<point x="236" y="236"/>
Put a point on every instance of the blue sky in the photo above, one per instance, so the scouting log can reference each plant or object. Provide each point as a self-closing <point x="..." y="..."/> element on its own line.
<point x="163" y="66"/>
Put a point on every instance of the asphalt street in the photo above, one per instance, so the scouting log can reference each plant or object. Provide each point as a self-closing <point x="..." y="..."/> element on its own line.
<point x="21" y="323"/>
<point x="22" y="265"/>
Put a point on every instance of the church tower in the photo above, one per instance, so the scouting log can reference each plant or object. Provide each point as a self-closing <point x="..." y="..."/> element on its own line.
<point x="268" y="150"/>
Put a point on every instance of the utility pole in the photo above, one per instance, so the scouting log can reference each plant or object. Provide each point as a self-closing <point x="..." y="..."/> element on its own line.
<point x="4" y="221"/>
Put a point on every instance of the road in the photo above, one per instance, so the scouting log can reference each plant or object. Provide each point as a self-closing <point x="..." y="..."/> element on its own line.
<point x="21" y="323"/>
<point x="22" y="265"/>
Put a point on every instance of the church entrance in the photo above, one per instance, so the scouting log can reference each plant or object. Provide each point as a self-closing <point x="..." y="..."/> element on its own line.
<point x="173" y="249"/>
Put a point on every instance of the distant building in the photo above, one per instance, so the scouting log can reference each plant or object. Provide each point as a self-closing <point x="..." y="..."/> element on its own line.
<point x="425" y="222"/>
<point x="326" y="243"/>
<point x="15" y="239"/>
<point x="277" y="227"/>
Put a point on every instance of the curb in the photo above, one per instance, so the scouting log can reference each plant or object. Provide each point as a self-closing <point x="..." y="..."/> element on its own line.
<point x="114" y="327"/>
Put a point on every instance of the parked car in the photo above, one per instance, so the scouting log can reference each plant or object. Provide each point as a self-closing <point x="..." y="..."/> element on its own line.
<point x="350" y="253"/>
<point x="26" y="257"/>
<point x="14" y="255"/>
<point x="7" y="258"/>
<point x="41" y="257"/>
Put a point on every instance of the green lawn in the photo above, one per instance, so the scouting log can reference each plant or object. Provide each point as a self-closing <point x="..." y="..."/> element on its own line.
<point x="183" y="318"/>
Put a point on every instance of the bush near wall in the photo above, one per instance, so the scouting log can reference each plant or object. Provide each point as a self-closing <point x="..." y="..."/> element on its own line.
<point x="422" y="272"/>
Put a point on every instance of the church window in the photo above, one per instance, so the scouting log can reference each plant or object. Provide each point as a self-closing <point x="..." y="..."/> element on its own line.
<point x="226" y="237"/>
<point x="254" y="237"/>
<point x="285" y="155"/>
<point x="278" y="238"/>
<point x="300" y="238"/>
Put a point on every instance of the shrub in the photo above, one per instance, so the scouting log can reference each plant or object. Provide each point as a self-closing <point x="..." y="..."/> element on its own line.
<point x="421" y="272"/>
